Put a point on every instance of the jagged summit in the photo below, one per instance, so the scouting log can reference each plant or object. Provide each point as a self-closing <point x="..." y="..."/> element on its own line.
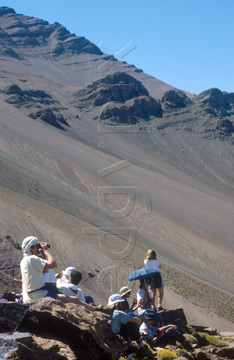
<point x="26" y="34"/>
<point x="51" y="51"/>
<point x="6" y="10"/>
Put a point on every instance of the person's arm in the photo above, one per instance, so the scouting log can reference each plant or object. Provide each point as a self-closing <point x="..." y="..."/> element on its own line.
<point x="133" y="307"/>
<point x="143" y="301"/>
<point x="18" y="282"/>
<point x="74" y="300"/>
<point x="161" y="331"/>
<point x="167" y="326"/>
<point x="51" y="263"/>
<point x="159" y="335"/>
<point x="135" y="320"/>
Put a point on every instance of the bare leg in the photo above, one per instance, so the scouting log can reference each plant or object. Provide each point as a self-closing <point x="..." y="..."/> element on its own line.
<point x="75" y="300"/>
<point x="154" y="293"/>
<point x="160" y="298"/>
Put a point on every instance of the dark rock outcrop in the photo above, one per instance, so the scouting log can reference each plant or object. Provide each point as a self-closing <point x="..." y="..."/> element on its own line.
<point x="31" y="98"/>
<point x="210" y="114"/>
<point x="123" y="99"/>
<point x="175" y="99"/>
<point x="141" y="107"/>
<point x="176" y="317"/>
<point x="58" y="327"/>
<point x="53" y="330"/>
<point x="16" y="96"/>
<point x="48" y="116"/>
<point x="6" y="10"/>
<point x="11" y="315"/>
<point x="222" y="103"/>
<point x="118" y="87"/>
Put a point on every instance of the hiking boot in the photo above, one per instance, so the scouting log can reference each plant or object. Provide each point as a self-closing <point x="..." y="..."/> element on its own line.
<point x="130" y="353"/>
<point x="145" y="352"/>
<point x="187" y="346"/>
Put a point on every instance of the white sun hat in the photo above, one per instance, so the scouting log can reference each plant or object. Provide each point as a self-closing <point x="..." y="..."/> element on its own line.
<point x="67" y="271"/>
<point x="28" y="242"/>
<point x="115" y="298"/>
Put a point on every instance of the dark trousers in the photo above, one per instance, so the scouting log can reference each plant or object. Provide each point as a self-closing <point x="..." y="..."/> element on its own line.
<point x="130" y="331"/>
<point x="172" y="334"/>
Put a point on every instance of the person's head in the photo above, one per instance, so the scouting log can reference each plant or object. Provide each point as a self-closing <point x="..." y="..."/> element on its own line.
<point x="149" y="317"/>
<point x="115" y="300"/>
<point x="151" y="255"/>
<point x="125" y="292"/>
<point x="66" y="273"/>
<point x="75" y="277"/>
<point x="30" y="245"/>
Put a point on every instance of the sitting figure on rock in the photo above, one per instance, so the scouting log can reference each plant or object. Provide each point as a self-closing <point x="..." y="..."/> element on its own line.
<point x="165" y="334"/>
<point x="127" y="325"/>
<point x="125" y="293"/>
<point x="64" y="277"/>
<point x="71" y="288"/>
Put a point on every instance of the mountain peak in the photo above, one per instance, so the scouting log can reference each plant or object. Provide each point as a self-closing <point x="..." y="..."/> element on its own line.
<point x="36" y="37"/>
<point x="6" y="10"/>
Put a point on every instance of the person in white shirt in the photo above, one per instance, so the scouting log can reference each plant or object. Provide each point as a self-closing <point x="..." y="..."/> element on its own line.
<point x="156" y="283"/>
<point x="32" y="268"/>
<point x="144" y="296"/>
<point x="71" y="288"/>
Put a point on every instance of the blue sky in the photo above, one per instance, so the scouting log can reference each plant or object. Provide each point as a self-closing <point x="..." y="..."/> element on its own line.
<point x="188" y="44"/>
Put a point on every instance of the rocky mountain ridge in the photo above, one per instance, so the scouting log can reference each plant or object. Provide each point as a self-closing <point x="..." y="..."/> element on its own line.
<point x="23" y="35"/>
<point x="52" y="51"/>
<point x="120" y="98"/>
<point x="123" y="99"/>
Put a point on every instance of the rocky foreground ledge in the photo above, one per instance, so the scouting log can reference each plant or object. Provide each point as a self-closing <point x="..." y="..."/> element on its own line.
<point x="52" y="330"/>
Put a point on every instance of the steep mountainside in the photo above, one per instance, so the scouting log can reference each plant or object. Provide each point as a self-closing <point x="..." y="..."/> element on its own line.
<point x="50" y="50"/>
<point x="104" y="162"/>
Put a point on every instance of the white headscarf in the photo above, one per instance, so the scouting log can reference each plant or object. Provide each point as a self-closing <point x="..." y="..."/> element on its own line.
<point x="28" y="242"/>
<point x="67" y="272"/>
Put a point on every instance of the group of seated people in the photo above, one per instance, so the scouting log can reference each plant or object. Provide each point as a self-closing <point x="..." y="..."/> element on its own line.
<point x="148" y="326"/>
<point x="39" y="281"/>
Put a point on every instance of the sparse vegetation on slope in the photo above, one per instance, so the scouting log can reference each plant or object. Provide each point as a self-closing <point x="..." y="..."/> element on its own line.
<point x="200" y="293"/>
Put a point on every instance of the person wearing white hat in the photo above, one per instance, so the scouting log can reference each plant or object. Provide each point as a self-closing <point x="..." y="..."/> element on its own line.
<point x="32" y="267"/>
<point x="71" y="288"/>
<point x="127" y="326"/>
<point x="63" y="279"/>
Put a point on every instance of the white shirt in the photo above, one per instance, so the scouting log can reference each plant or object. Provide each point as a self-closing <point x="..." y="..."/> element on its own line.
<point x="61" y="282"/>
<point x="154" y="264"/>
<point x="49" y="277"/>
<point x="140" y="295"/>
<point x="31" y="267"/>
<point x="72" y="290"/>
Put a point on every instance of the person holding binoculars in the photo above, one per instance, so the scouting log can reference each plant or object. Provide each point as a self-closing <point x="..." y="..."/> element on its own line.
<point x="36" y="261"/>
